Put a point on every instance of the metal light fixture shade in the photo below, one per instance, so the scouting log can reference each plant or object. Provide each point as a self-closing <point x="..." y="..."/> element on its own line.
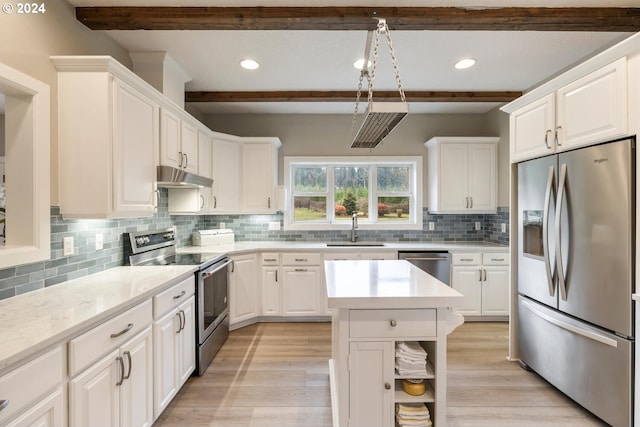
<point x="380" y="119"/>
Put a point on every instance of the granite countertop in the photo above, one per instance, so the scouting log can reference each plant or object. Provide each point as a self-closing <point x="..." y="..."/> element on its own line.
<point x="37" y="320"/>
<point x="390" y="284"/>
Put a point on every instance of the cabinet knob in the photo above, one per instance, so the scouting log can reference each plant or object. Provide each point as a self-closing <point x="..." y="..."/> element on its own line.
<point x="387" y="386"/>
<point x="393" y="323"/>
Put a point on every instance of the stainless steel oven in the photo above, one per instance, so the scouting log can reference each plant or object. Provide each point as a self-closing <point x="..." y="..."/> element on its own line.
<point x="212" y="311"/>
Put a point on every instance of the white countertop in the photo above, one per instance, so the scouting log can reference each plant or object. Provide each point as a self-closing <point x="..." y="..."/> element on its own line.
<point x="387" y="284"/>
<point x="36" y="320"/>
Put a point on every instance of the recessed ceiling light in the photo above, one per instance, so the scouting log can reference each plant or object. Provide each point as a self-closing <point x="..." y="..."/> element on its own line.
<point x="249" y="64"/>
<point x="465" y="63"/>
<point x="359" y="63"/>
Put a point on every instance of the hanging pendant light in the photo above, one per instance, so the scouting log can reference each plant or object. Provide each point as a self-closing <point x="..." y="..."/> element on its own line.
<point x="380" y="118"/>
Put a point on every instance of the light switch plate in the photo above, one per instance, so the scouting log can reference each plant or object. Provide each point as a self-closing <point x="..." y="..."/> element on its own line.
<point x="99" y="241"/>
<point x="274" y="226"/>
<point x="67" y="246"/>
<point x="477" y="225"/>
<point x="432" y="226"/>
<point x="503" y="227"/>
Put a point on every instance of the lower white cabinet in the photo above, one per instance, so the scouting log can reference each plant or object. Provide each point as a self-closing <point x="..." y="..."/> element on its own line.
<point x="49" y="412"/>
<point x="483" y="279"/>
<point x="174" y="341"/>
<point x="116" y="390"/>
<point x="244" y="289"/>
<point x="271" y="284"/>
<point x="302" y="293"/>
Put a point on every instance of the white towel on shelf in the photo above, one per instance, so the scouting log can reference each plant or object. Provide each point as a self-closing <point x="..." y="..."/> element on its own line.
<point x="413" y="415"/>
<point x="411" y="359"/>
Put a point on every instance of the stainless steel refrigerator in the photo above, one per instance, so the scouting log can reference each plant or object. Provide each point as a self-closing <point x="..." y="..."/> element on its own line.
<point x="576" y="257"/>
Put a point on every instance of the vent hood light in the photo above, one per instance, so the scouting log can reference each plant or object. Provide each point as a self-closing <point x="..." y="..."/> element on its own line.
<point x="359" y="63"/>
<point x="463" y="64"/>
<point x="249" y="64"/>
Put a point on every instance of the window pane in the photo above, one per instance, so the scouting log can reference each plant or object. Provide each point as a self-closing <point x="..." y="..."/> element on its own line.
<point x="309" y="208"/>
<point x="394" y="178"/>
<point x="310" y="179"/>
<point x="351" y="192"/>
<point x="393" y="209"/>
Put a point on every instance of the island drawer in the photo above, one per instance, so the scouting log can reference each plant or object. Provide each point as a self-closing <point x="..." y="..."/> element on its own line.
<point x="392" y="323"/>
<point x="173" y="297"/>
<point x="301" y="259"/>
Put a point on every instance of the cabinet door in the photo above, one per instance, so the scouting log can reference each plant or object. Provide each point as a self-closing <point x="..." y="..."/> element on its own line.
<point x="48" y="412"/>
<point x="136" y="391"/>
<point x="187" y="342"/>
<point x="225" y="190"/>
<point x="271" y="291"/>
<point x="371" y="384"/>
<point x="495" y="291"/>
<point x="453" y="189"/>
<point x="244" y="290"/>
<point x="165" y="361"/>
<point x="189" y="147"/>
<point x="482" y="177"/>
<point x="532" y="129"/>
<point x="94" y="397"/>
<point x="593" y="108"/>
<point x="170" y="152"/>
<point x="258" y="177"/>
<point x="204" y="155"/>
<point x="466" y="280"/>
<point x="301" y="291"/>
<point x="135" y="151"/>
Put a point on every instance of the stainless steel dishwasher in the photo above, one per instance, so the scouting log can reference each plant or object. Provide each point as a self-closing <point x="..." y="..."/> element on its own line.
<point x="436" y="264"/>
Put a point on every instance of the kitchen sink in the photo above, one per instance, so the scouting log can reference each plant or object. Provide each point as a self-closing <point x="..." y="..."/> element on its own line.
<point x="333" y="244"/>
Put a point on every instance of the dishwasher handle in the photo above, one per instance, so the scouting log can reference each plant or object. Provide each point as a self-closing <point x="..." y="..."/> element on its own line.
<point x="425" y="259"/>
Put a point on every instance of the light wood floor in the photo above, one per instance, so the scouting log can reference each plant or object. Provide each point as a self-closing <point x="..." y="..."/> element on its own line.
<point x="276" y="374"/>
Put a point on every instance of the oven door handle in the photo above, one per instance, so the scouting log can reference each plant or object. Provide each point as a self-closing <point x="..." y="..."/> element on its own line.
<point x="208" y="273"/>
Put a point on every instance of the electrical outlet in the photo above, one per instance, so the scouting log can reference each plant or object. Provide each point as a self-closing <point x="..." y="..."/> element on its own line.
<point x="477" y="225"/>
<point x="223" y="225"/>
<point x="274" y="226"/>
<point x="503" y="227"/>
<point x="99" y="241"/>
<point x="67" y="246"/>
<point x="432" y="226"/>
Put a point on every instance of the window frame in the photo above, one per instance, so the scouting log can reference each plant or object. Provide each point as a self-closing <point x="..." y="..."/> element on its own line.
<point x="373" y="162"/>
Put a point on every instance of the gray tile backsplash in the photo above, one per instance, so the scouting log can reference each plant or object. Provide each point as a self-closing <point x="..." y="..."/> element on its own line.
<point x="86" y="260"/>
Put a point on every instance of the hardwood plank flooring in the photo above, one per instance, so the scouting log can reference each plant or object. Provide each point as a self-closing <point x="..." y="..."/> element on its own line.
<point x="276" y="374"/>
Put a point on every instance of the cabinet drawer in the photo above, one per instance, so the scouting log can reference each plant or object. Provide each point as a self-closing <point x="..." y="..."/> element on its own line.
<point x="270" y="258"/>
<point x="392" y="323"/>
<point x="301" y="259"/>
<point x="495" y="258"/>
<point x="92" y="345"/>
<point x="471" y="258"/>
<point x="30" y="382"/>
<point x="172" y="297"/>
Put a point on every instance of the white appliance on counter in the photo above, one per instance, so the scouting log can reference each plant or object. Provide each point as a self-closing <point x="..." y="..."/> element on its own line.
<point x="219" y="236"/>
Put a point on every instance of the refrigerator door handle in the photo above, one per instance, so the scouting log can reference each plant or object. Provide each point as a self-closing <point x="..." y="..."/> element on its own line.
<point x="569" y="327"/>
<point x="559" y="269"/>
<point x="545" y="229"/>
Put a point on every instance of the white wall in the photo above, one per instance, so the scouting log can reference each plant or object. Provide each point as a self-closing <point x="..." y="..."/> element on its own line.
<point x="29" y="40"/>
<point x="330" y="135"/>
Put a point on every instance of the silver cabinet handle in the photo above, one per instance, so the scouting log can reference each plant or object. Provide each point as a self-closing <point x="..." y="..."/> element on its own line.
<point x="393" y="323"/>
<point x="186" y="160"/>
<point x="300" y="269"/>
<point x="180" y="295"/>
<point x="215" y="202"/>
<point x="301" y="259"/>
<point x="497" y="259"/>
<point x="3" y="404"/>
<point x="201" y="201"/>
<point x="387" y="386"/>
<point x="122" y="332"/>
<point x="466" y="259"/>
<point x="157" y="201"/>
<point x="480" y="275"/>
<point x="179" y="322"/>
<point x="181" y="159"/>
<point x="269" y="202"/>
<point x="558" y="129"/>
<point x="183" y="320"/>
<point x="546" y="138"/>
<point x="276" y="276"/>
<point x="128" y="354"/>
<point x="467" y="200"/>
<point x="269" y="260"/>
<point x="121" y="380"/>
<point x="485" y="275"/>
<point x="233" y="266"/>
<point x="471" y="202"/>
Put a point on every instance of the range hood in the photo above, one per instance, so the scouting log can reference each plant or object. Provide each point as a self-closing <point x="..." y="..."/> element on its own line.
<point x="170" y="177"/>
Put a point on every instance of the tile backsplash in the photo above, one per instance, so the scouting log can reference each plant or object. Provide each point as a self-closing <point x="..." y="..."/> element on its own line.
<point x="86" y="260"/>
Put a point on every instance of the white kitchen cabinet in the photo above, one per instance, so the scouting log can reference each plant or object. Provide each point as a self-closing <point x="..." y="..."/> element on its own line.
<point x="483" y="279"/>
<point x="244" y="290"/>
<point x="174" y="341"/>
<point x="302" y="293"/>
<point x="36" y="392"/>
<point x="225" y="190"/>
<point x="259" y="174"/>
<point x="463" y="175"/>
<point x="271" y="288"/>
<point x="589" y="110"/>
<point x="106" y="112"/>
<point x="116" y="390"/>
<point x="178" y="140"/>
<point x="205" y="159"/>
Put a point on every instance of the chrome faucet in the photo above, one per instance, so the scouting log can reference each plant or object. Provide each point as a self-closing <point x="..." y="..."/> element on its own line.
<point x="354" y="225"/>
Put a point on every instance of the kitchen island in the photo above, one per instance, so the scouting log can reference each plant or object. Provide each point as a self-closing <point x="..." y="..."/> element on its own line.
<point x="376" y="305"/>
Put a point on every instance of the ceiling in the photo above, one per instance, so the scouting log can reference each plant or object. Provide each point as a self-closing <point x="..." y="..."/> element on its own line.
<point x="296" y="60"/>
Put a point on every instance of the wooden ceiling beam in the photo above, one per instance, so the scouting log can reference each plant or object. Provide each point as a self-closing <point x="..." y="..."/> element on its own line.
<point x="360" y="18"/>
<point x="349" y="96"/>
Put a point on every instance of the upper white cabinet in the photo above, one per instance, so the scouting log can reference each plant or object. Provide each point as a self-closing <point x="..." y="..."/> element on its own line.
<point x="106" y="112"/>
<point x="462" y="174"/>
<point x="178" y="141"/>
<point x="205" y="150"/>
<point x="225" y="191"/>
<point x="591" y="109"/>
<point x="259" y="174"/>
